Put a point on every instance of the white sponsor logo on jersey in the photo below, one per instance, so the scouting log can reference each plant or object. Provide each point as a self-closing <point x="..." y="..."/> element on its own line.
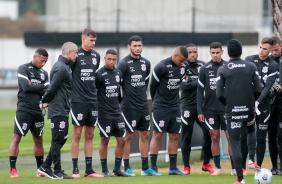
<point x="236" y="125"/>
<point x="233" y="65"/>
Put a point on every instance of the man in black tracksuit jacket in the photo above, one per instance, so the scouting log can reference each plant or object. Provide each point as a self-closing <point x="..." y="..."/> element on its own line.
<point x="267" y="69"/>
<point x="237" y="88"/>
<point x="57" y="96"/>
<point x="275" y="125"/>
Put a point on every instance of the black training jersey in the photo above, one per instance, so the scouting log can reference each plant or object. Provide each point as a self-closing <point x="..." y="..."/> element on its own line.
<point x="277" y="96"/>
<point x="135" y="75"/>
<point x="207" y="103"/>
<point x="83" y="76"/>
<point x="32" y="84"/>
<point x="165" y="83"/>
<point x="189" y="87"/>
<point x="238" y="87"/>
<point x="267" y="70"/>
<point x="59" y="92"/>
<point x="108" y="89"/>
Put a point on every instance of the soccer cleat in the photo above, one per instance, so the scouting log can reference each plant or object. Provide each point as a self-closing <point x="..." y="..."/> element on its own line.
<point x="253" y="165"/>
<point x="207" y="167"/>
<point x="75" y="173"/>
<point x="129" y="172"/>
<point x="149" y="172"/>
<point x="38" y="174"/>
<point x="14" y="173"/>
<point x="119" y="173"/>
<point x="92" y="174"/>
<point x="47" y="172"/>
<point x="240" y="182"/>
<point x="233" y="172"/>
<point x="216" y="172"/>
<point x="106" y="174"/>
<point x="244" y="172"/>
<point x="175" y="171"/>
<point x="274" y="171"/>
<point x="186" y="170"/>
<point x="61" y="175"/>
<point x="155" y="169"/>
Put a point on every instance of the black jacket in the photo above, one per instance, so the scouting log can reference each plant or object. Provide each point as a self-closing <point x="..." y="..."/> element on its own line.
<point x="59" y="91"/>
<point x="238" y="87"/>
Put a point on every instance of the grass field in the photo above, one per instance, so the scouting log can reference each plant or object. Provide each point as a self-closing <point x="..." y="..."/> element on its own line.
<point x="26" y="145"/>
<point x="27" y="171"/>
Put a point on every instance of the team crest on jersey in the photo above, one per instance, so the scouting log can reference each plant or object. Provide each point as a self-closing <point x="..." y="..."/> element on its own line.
<point x="79" y="117"/>
<point x="186" y="114"/>
<point x="42" y="76"/>
<point x="24" y="126"/>
<point x="62" y="125"/>
<point x="94" y="61"/>
<point x="211" y="121"/>
<point x="117" y="78"/>
<point x="108" y="129"/>
<point x="143" y="67"/>
<point x="133" y="123"/>
<point x="182" y="71"/>
<point x="161" y="123"/>
<point x="264" y="69"/>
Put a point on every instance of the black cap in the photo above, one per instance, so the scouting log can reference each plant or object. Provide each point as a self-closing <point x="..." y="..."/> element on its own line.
<point x="234" y="48"/>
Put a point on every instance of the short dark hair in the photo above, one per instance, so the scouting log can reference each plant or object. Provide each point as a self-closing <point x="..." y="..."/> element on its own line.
<point x="268" y="40"/>
<point x="276" y="40"/>
<point x="191" y="45"/>
<point x="134" y="38"/>
<point x="89" y="32"/>
<point x="215" y="45"/>
<point x="42" y="52"/>
<point x="111" y="51"/>
<point x="183" y="51"/>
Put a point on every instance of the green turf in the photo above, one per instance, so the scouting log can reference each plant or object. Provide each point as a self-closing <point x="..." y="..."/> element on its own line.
<point x="194" y="178"/>
<point x="26" y="144"/>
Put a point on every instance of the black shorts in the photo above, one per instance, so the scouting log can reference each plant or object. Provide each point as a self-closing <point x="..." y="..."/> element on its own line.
<point x="25" y="121"/>
<point x="215" y="122"/>
<point x="111" y="126"/>
<point x="166" y="120"/>
<point x="84" y="114"/>
<point x="136" y="119"/>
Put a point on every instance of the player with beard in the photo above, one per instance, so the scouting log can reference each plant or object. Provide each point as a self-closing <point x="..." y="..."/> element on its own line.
<point x="275" y="126"/>
<point x="189" y="115"/>
<point x="135" y="72"/>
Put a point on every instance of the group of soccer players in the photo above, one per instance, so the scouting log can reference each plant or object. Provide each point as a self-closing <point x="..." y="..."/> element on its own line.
<point x="114" y="98"/>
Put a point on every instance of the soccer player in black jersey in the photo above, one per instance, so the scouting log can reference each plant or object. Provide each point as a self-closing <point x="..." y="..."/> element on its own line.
<point x="275" y="125"/>
<point x="110" y="121"/>
<point x="32" y="83"/>
<point x="84" y="103"/>
<point x="210" y="110"/>
<point x="164" y="89"/>
<point x="57" y="98"/>
<point x="135" y="71"/>
<point x="267" y="69"/>
<point x="189" y="115"/>
<point x="238" y="87"/>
